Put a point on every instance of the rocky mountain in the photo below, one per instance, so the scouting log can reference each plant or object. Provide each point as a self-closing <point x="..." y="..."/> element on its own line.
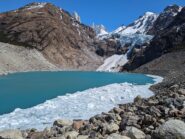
<point x="125" y="39"/>
<point x="59" y="36"/>
<point x="146" y="39"/>
<point x="169" y="39"/>
<point x="136" y="32"/>
<point x="141" y="26"/>
<point x="164" y="19"/>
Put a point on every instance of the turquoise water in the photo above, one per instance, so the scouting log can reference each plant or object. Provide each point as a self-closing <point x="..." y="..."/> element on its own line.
<point x="24" y="90"/>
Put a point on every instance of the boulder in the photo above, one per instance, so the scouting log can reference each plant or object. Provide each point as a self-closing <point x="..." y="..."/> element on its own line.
<point x="172" y="129"/>
<point x="62" y="123"/>
<point x="117" y="136"/>
<point x="138" y="100"/>
<point x="61" y="137"/>
<point x="78" y="124"/>
<point x="111" y="128"/>
<point x="11" y="134"/>
<point x="181" y="91"/>
<point x="71" y="135"/>
<point x="82" y="137"/>
<point x="135" y="133"/>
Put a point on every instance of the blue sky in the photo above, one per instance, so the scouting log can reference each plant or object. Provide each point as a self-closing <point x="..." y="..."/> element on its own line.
<point x="111" y="13"/>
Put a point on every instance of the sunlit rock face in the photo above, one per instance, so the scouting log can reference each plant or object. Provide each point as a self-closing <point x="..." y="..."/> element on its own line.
<point x="61" y="38"/>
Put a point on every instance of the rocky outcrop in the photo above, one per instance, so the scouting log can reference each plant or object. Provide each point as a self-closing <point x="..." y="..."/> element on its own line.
<point x="60" y="37"/>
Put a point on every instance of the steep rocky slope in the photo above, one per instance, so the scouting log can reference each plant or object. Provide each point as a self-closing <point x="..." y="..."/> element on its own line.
<point x="17" y="58"/>
<point x="62" y="39"/>
<point x="164" y="65"/>
<point x="164" y="19"/>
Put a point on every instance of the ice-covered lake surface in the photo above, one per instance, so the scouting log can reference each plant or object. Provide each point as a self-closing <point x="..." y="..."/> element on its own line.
<point x="36" y="99"/>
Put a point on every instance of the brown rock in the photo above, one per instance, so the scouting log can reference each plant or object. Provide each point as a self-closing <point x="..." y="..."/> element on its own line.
<point x="78" y="124"/>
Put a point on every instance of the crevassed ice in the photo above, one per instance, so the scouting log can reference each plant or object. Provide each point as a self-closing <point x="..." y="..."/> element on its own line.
<point x="81" y="105"/>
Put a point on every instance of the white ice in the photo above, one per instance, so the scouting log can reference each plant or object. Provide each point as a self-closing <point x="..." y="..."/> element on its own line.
<point x="81" y="105"/>
<point x="113" y="63"/>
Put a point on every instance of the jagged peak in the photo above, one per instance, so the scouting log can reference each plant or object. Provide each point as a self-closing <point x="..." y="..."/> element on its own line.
<point x="172" y="9"/>
<point x="149" y="13"/>
<point x="141" y="25"/>
<point x="35" y="5"/>
<point x="99" y="29"/>
<point x="76" y="16"/>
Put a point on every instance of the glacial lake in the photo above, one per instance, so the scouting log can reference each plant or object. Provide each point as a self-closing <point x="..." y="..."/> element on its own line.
<point x="24" y="90"/>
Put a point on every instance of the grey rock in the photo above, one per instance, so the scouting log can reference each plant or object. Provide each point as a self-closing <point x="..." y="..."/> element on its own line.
<point x="61" y="137"/>
<point x="71" y="135"/>
<point x="62" y="123"/>
<point x="111" y="128"/>
<point x="172" y="129"/>
<point x="117" y="136"/>
<point x="138" y="100"/>
<point x="135" y="133"/>
<point x="82" y="137"/>
<point x="181" y="91"/>
<point x="11" y="134"/>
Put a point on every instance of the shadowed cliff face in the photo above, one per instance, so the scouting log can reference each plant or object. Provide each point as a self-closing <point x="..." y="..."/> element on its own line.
<point x="170" y="39"/>
<point x="164" y="19"/>
<point x="61" y="38"/>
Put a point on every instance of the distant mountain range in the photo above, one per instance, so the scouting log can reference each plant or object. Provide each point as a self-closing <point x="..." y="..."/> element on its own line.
<point x="69" y="44"/>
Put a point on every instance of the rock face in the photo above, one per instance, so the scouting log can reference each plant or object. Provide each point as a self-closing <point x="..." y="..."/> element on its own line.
<point x="61" y="38"/>
<point x="174" y="129"/>
<point x="164" y="19"/>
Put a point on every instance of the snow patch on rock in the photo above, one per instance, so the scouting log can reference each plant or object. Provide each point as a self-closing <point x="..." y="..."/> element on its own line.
<point x="113" y="63"/>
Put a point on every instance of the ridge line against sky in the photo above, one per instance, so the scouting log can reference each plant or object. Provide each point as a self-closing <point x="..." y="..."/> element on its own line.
<point x="111" y="13"/>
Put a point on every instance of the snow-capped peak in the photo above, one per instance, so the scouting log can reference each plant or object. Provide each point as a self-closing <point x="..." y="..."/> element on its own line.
<point x="118" y="30"/>
<point x="172" y="10"/>
<point x="141" y="25"/>
<point x="76" y="17"/>
<point x="100" y="30"/>
<point x="35" y="5"/>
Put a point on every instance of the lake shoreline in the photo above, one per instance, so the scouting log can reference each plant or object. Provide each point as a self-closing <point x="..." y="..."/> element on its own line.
<point x="116" y="93"/>
<point x="144" y="118"/>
